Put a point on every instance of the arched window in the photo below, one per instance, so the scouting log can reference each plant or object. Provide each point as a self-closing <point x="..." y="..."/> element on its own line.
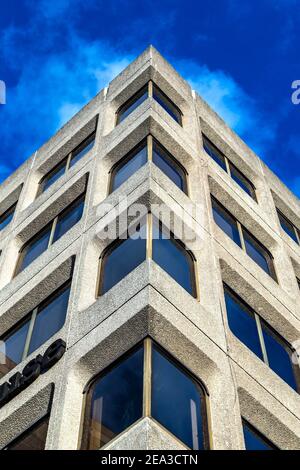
<point x="172" y="256"/>
<point x="150" y="240"/>
<point x="146" y="382"/>
<point x="148" y="150"/>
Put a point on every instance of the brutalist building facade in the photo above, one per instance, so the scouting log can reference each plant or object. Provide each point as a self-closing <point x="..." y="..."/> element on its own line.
<point x="149" y="281"/>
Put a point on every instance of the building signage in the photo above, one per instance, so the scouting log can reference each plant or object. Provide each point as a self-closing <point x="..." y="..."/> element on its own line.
<point x="37" y="366"/>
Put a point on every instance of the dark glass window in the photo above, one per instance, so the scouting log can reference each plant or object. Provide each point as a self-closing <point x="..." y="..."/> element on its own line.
<point x="7" y="217"/>
<point x="122" y="258"/>
<point x="50" y="318"/>
<point x="145" y="382"/>
<point x="245" y="324"/>
<point x="56" y="229"/>
<point x="128" y="166"/>
<point x="116" y="400"/>
<point x="243" y="238"/>
<point x="214" y="153"/>
<point x="67" y="163"/>
<point x="40" y="325"/>
<point x="242" y="181"/>
<point x="171" y="256"/>
<point x="138" y="157"/>
<point x="226" y="222"/>
<point x="242" y="322"/>
<point x="169" y="166"/>
<point x="258" y="253"/>
<point x="167" y="104"/>
<point x="177" y="401"/>
<point x="67" y="219"/>
<point x="33" y="439"/>
<point x="254" y="440"/>
<point x="288" y="227"/>
<point x="83" y="149"/>
<point x="34" y="248"/>
<point x="279" y="356"/>
<point x="229" y="167"/>
<point x="132" y="104"/>
<point x="53" y="176"/>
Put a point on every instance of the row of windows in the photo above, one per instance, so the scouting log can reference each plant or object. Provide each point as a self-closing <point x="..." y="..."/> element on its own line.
<point x="243" y="238"/>
<point x="150" y="240"/>
<point x="146" y="382"/>
<point x="229" y="167"/>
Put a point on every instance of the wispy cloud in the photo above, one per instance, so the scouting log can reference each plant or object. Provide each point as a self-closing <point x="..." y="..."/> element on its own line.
<point x="231" y="102"/>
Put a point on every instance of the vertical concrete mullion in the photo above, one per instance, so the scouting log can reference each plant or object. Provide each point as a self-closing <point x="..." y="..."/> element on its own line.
<point x="54" y="224"/>
<point x="240" y="230"/>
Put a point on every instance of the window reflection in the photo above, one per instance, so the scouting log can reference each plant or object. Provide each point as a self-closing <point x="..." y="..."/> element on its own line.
<point x="33" y="439"/>
<point x="7" y="217"/>
<point x="145" y="382"/>
<point x="40" y="325"/>
<point x="254" y="440"/>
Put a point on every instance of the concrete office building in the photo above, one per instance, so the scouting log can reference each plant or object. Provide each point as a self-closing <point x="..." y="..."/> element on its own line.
<point x="150" y="342"/>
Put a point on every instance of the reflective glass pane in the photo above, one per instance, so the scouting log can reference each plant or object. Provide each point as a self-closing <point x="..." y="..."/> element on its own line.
<point x="33" y="439"/>
<point x="7" y="217"/>
<point x="167" y="104"/>
<point x="116" y="400"/>
<point x="121" y="260"/>
<point x="226" y="222"/>
<point x="242" y="323"/>
<point x="132" y="104"/>
<point x="126" y="169"/>
<point x="176" y="401"/>
<point x="50" y="319"/>
<point x="287" y="227"/>
<point x="35" y="248"/>
<point x="12" y="348"/>
<point x="53" y="176"/>
<point x="257" y="252"/>
<point x="169" y="166"/>
<point x="82" y="150"/>
<point x="214" y="153"/>
<point x="278" y="357"/>
<point x="241" y="180"/>
<point x="254" y="441"/>
<point x="171" y="256"/>
<point x="69" y="218"/>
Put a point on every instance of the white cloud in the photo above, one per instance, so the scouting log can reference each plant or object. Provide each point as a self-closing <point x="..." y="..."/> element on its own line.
<point x="231" y="102"/>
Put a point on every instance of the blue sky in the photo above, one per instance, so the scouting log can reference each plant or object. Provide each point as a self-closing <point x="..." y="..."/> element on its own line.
<point x="241" y="56"/>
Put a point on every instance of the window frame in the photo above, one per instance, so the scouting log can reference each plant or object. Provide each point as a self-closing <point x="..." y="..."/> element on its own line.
<point x="52" y="225"/>
<point x="257" y="433"/>
<point x="147" y="344"/>
<point x="295" y="229"/>
<point x="64" y="162"/>
<point x="229" y="166"/>
<point x="28" y="430"/>
<point x="5" y="214"/>
<point x="148" y="142"/>
<point x="31" y="317"/>
<point x="148" y="222"/>
<point x="242" y="231"/>
<point x="262" y="324"/>
<point x="148" y="87"/>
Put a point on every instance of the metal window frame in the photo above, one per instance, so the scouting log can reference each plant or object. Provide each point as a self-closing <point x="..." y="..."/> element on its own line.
<point x="228" y="165"/>
<point x="149" y="141"/>
<point x="31" y="317"/>
<point x="149" y="255"/>
<point x="261" y="324"/>
<point x="293" y="226"/>
<point x="66" y="162"/>
<point x="257" y="433"/>
<point x="9" y="211"/>
<point x="147" y="344"/>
